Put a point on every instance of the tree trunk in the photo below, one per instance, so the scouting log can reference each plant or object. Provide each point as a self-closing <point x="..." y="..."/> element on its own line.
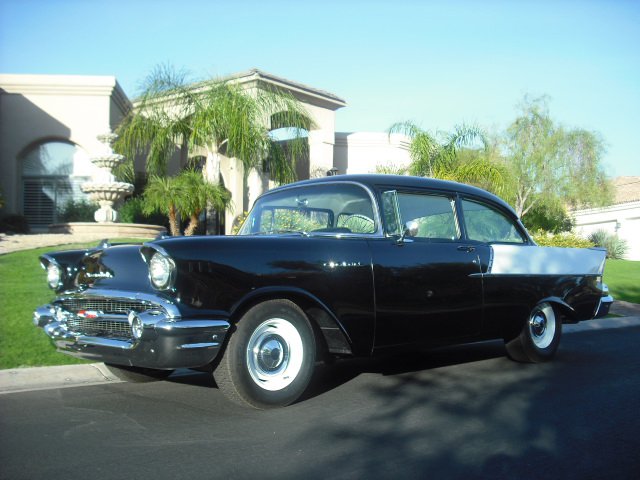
<point x="193" y="224"/>
<point x="174" y="229"/>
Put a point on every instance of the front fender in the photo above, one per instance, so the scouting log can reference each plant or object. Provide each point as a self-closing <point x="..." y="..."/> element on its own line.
<point x="69" y="262"/>
<point x="335" y="335"/>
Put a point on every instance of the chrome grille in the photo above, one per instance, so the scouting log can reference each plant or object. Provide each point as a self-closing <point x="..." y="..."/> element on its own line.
<point x="110" y="315"/>
<point x="99" y="327"/>
<point x="105" y="305"/>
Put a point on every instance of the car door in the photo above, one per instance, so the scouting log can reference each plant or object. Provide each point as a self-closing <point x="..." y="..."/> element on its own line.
<point x="428" y="283"/>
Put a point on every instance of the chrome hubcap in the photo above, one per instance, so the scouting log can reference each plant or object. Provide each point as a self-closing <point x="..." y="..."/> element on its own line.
<point x="274" y="354"/>
<point x="538" y="325"/>
<point x="542" y="325"/>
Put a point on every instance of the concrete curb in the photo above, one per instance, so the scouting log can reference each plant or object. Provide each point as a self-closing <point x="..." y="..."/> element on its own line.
<point x="64" y="376"/>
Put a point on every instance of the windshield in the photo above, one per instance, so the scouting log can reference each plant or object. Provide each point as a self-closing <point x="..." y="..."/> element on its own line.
<point x="332" y="208"/>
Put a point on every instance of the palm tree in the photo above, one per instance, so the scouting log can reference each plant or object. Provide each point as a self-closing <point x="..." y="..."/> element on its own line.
<point x="220" y="117"/>
<point x="431" y="157"/>
<point x="162" y="194"/>
<point x="187" y="195"/>
<point x="196" y="194"/>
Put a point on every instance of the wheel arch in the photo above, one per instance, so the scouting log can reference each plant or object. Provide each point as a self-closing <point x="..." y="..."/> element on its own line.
<point x="331" y="337"/>
<point x="511" y="329"/>
<point x="560" y="307"/>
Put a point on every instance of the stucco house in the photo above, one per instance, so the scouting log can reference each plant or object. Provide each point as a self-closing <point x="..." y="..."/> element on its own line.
<point x="48" y="129"/>
<point x="49" y="126"/>
<point x="621" y="218"/>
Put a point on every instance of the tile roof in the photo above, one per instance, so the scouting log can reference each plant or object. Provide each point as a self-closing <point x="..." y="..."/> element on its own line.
<point x="627" y="189"/>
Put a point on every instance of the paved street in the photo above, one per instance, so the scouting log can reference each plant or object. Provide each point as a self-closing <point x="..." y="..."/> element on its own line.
<point x="464" y="412"/>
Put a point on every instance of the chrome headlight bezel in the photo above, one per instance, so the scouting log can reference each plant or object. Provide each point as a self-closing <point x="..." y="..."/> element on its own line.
<point x="54" y="275"/>
<point x="161" y="271"/>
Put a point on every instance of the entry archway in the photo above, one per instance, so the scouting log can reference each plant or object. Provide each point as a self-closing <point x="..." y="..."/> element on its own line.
<point x="52" y="172"/>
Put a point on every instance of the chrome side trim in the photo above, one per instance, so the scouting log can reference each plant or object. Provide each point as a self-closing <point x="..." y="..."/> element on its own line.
<point x="191" y="346"/>
<point x="190" y="324"/>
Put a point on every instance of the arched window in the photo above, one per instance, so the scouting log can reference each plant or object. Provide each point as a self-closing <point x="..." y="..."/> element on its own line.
<point x="288" y="157"/>
<point x="52" y="173"/>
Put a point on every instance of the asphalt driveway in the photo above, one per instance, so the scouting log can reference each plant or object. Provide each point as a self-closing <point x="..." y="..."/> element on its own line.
<point x="462" y="412"/>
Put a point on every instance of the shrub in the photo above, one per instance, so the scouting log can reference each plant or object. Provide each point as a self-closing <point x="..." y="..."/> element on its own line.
<point x="14" y="224"/>
<point x="565" y="239"/>
<point x="549" y="218"/>
<point x="616" y="247"/>
<point x="131" y="212"/>
<point x="77" y="211"/>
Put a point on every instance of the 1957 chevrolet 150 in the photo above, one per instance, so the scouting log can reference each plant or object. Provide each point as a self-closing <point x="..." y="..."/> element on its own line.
<point x="338" y="266"/>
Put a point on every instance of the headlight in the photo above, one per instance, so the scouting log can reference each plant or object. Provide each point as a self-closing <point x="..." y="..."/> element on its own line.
<point x="160" y="271"/>
<point x="54" y="275"/>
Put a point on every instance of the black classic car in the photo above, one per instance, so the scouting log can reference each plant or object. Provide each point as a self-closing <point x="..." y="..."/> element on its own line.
<point x="349" y="265"/>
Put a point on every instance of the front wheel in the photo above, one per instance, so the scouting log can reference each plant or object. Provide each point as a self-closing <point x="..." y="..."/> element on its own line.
<point x="270" y="357"/>
<point x="540" y="336"/>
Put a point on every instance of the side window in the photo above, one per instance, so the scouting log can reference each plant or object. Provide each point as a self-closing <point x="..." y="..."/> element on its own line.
<point x="435" y="215"/>
<point x="486" y="224"/>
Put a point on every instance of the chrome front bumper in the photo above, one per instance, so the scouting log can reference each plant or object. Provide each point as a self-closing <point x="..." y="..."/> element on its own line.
<point x="165" y="340"/>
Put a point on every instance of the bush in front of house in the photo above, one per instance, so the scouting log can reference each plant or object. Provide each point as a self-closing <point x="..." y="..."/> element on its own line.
<point x="616" y="247"/>
<point x="77" y="211"/>
<point x="564" y="239"/>
<point x="14" y="224"/>
<point x="131" y="212"/>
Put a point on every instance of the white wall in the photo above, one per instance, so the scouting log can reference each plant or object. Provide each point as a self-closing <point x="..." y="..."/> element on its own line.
<point x="623" y="219"/>
<point x="363" y="152"/>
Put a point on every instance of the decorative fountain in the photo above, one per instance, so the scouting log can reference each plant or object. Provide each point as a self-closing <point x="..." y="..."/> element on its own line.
<point x="104" y="189"/>
<point x="107" y="192"/>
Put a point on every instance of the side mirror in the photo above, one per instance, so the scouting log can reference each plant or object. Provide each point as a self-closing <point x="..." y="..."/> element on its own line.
<point x="410" y="230"/>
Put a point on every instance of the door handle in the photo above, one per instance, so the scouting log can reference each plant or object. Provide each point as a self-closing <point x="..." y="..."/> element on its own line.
<point x="466" y="248"/>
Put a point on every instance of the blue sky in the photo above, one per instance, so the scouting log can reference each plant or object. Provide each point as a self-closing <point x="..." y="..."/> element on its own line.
<point x="433" y="62"/>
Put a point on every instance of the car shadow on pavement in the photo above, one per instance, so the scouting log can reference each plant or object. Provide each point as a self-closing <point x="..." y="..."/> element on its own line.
<point x="329" y="376"/>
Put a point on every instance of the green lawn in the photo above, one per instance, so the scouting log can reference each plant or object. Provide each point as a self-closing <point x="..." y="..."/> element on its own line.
<point x="623" y="279"/>
<point x="23" y="287"/>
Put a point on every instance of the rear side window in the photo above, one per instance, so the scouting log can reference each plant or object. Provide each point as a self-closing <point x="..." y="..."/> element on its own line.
<point x="486" y="224"/>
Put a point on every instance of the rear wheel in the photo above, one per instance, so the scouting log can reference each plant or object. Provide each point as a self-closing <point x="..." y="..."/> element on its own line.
<point x="137" y="374"/>
<point x="540" y="336"/>
<point x="270" y="357"/>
